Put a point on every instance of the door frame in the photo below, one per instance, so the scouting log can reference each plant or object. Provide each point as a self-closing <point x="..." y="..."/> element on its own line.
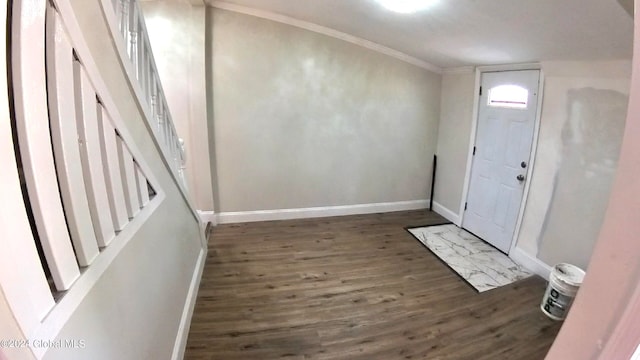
<point x="472" y="140"/>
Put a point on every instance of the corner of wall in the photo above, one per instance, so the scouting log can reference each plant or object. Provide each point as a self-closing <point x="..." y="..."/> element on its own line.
<point x="531" y="262"/>
<point x="446" y="213"/>
<point x="207" y="216"/>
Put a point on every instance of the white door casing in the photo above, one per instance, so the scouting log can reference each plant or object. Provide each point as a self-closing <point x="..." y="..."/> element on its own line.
<point x="501" y="158"/>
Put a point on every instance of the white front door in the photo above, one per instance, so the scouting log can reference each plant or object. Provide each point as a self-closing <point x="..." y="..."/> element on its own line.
<point x="506" y="119"/>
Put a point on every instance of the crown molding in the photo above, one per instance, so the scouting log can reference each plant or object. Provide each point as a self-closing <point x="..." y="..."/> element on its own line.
<point x="510" y="67"/>
<point x="263" y="14"/>
<point x="459" y="70"/>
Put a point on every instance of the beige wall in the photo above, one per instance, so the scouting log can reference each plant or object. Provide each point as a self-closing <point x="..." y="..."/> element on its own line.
<point x="133" y="311"/>
<point x="305" y="120"/>
<point x="583" y="118"/>
<point x="177" y="34"/>
<point x="456" y="111"/>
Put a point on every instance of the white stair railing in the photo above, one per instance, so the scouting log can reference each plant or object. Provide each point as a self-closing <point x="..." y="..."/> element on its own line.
<point x="132" y="31"/>
<point x="81" y="179"/>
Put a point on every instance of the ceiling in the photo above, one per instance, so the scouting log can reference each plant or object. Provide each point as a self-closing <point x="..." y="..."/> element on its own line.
<point x="456" y="33"/>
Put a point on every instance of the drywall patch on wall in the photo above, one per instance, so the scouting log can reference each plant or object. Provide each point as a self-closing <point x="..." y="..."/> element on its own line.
<point x="591" y="138"/>
<point x="304" y="120"/>
<point x="566" y="82"/>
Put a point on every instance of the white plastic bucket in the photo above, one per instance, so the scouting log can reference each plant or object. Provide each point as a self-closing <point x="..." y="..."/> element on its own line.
<point x="564" y="282"/>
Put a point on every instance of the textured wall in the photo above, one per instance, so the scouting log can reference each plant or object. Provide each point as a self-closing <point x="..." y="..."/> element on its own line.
<point x="583" y="116"/>
<point x="305" y="120"/>
<point x="456" y="111"/>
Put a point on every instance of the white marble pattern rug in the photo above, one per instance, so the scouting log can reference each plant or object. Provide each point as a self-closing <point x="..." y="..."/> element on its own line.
<point x="480" y="264"/>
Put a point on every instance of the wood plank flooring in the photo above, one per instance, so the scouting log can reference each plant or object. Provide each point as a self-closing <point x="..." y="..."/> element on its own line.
<point x="354" y="287"/>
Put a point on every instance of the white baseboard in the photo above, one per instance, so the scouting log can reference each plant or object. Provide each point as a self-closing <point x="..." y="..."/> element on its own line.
<point x="446" y="213"/>
<point x="530" y="262"/>
<point x="187" y="312"/>
<point x="302" y="213"/>
<point x="207" y="216"/>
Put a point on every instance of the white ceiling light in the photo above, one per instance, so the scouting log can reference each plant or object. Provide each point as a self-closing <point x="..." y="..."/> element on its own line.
<point x="406" y="6"/>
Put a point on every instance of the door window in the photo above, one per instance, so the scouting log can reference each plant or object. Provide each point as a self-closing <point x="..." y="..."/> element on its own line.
<point x="508" y="96"/>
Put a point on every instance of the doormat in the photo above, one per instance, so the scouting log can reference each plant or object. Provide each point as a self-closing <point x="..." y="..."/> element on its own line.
<point x="478" y="263"/>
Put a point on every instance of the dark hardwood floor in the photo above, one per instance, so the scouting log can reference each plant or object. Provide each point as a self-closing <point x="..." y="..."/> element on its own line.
<point x="354" y="287"/>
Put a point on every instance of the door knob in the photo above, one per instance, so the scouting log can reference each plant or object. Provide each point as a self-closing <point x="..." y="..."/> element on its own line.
<point x="520" y="177"/>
